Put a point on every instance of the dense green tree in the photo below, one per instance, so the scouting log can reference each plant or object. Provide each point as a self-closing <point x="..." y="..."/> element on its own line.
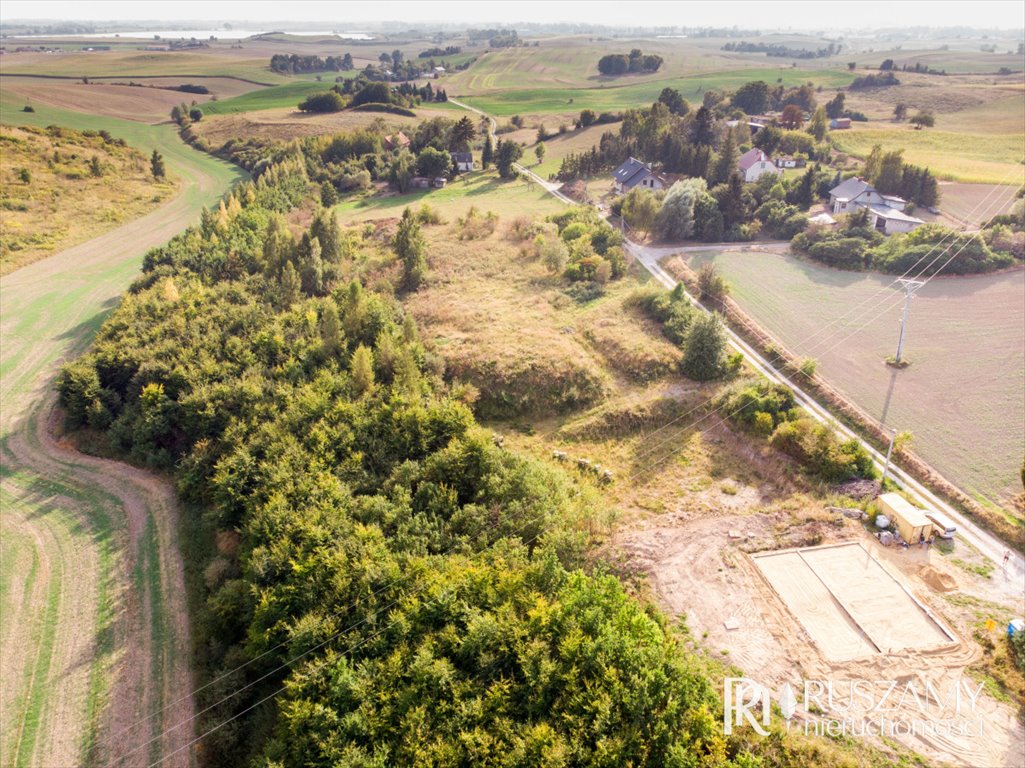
<point x="362" y="366"/>
<point x="156" y="165"/>
<point x="674" y="101"/>
<point x="818" y="127"/>
<point x="463" y="133"/>
<point x="507" y="153"/>
<point x="310" y="265"/>
<point x="640" y="208"/>
<point x="411" y="248"/>
<point x="433" y="162"/>
<point x="726" y="164"/>
<point x="704" y="349"/>
<point x="487" y="153"/>
<point x="752" y="98"/>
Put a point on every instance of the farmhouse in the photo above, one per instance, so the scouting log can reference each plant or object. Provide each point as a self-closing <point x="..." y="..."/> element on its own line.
<point x="886" y="212"/>
<point x="840" y="123"/>
<point x="396" y="141"/>
<point x="634" y="173"/>
<point x="754" y="163"/>
<point x="463" y="161"/>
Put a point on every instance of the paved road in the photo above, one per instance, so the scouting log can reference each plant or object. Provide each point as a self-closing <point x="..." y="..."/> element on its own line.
<point x="1010" y="578"/>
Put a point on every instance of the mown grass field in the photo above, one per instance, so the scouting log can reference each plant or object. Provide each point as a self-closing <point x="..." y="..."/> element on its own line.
<point x="990" y="159"/>
<point x="481" y="189"/>
<point x="629" y="92"/>
<point x="961" y="397"/>
<point x="62" y="202"/>
<point x="64" y="658"/>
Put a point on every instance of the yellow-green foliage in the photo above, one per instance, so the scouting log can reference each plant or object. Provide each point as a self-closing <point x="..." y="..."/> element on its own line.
<point x="59" y="187"/>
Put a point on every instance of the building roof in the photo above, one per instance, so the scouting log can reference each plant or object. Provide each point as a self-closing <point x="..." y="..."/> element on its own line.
<point x="462" y="157"/>
<point x="751" y="157"/>
<point x="397" y="140"/>
<point x="629" y="169"/>
<point x="850" y="188"/>
<point x="893" y="214"/>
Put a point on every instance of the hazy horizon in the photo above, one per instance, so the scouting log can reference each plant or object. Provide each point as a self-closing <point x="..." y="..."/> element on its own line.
<point x="1006" y="15"/>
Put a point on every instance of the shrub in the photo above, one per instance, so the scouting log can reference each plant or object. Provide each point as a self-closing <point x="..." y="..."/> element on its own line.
<point x="329" y="101"/>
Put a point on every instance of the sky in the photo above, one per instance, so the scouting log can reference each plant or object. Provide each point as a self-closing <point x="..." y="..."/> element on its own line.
<point x="749" y="14"/>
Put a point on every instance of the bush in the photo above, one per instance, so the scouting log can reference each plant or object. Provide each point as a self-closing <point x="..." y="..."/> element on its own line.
<point x="818" y="449"/>
<point x="329" y="101"/>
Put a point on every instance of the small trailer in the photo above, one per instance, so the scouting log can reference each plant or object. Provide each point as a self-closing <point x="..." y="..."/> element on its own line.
<point x="910" y="521"/>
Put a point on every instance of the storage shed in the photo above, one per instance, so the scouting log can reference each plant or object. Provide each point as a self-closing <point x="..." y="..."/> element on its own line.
<point x="909" y="520"/>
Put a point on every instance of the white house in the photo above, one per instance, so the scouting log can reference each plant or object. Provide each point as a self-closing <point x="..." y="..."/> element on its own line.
<point x="634" y="173"/>
<point x="463" y="161"/>
<point x="886" y="212"/>
<point x="754" y="163"/>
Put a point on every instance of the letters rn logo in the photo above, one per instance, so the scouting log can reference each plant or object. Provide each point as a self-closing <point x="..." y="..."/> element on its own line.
<point x="749" y="702"/>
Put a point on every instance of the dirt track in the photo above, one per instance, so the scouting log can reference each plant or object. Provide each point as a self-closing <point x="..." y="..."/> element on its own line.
<point x="99" y="639"/>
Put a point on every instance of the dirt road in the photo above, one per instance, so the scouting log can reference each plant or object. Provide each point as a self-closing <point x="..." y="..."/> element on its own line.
<point x="91" y="572"/>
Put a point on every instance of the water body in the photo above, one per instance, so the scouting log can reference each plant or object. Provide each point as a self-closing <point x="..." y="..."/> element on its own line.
<point x="199" y="34"/>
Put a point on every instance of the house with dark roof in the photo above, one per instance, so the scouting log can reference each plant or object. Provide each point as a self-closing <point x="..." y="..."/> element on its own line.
<point x="754" y="163"/>
<point x="634" y="173"/>
<point x="886" y="212"/>
<point x="463" y="161"/>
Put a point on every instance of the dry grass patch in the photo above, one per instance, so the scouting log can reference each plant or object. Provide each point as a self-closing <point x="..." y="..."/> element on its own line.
<point x="288" y="124"/>
<point x="51" y="197"/>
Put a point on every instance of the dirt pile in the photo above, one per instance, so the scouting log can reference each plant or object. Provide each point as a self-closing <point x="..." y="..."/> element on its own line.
<point x="941" y="582"/>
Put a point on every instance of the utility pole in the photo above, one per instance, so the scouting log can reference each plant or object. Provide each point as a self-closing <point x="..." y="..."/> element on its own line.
<point x="910" y="286"/>
<point x="886" y="465"/>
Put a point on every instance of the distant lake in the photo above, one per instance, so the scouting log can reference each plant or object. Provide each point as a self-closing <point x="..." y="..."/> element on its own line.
<point x="199" y="34"/>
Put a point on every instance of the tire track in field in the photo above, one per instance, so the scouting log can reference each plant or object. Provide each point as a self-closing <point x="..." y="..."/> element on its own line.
<point x="101" y="637"/>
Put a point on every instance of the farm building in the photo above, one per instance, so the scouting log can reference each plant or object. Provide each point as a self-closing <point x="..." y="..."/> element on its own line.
<point x="910" y="521"/>
<point x="885" y="211"/>
<point x="754" y="164"/>
<point x="420" y="182"/>
<point x="634" y="173"/>
<point x="840" y="123"/>
<point x="786" y="161"/>
<point x="463" y="160"/>
<point x="396" y="141"/>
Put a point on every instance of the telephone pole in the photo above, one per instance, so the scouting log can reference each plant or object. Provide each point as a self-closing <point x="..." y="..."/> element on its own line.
<point x="910" y="286"/>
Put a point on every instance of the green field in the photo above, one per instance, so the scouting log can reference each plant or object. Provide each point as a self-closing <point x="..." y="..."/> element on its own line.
<point x="62" y="653"/>
<point x="962" y="395"/>
<point x="981" y="159"/>
<point x="627" y="92"/>
<point x="276" y="97"/>
<point x="483" y="190"/>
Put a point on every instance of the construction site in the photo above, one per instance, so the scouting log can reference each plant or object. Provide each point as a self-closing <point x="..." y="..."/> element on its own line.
<point x="849" y="603"/>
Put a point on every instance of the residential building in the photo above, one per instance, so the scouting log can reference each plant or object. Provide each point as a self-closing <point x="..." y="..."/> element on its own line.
<point x="463" y="160"/>
<point x="886" y="212"/>
<point x="840" y="123"/>
<point x="754" y="163"/>
<point x="634" y="173"/>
